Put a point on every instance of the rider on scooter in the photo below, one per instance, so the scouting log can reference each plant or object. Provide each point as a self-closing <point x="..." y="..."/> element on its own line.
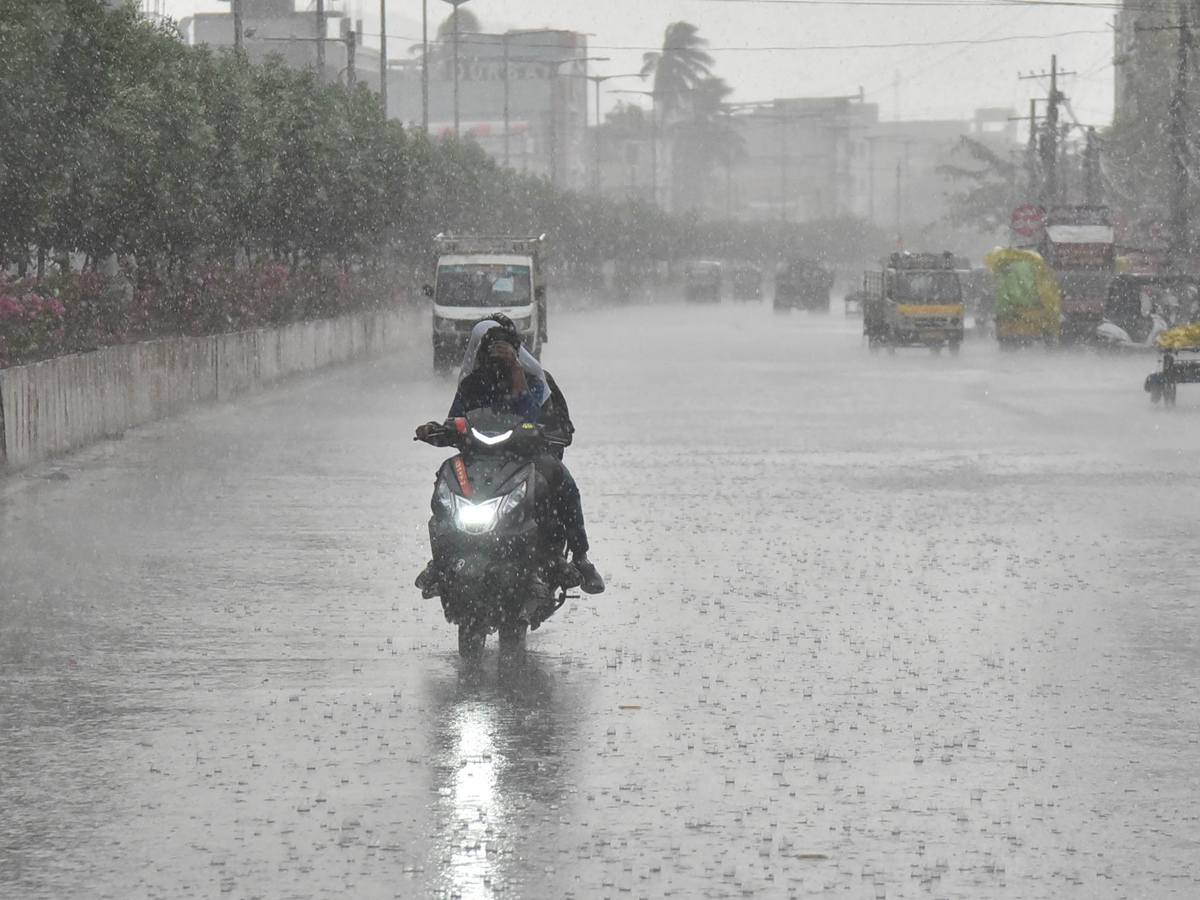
<point x="498" y="374"/>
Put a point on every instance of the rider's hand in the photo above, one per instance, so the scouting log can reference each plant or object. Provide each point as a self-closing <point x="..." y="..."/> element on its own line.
<point x="504" y="352"/>
<point x="423" y="431"/>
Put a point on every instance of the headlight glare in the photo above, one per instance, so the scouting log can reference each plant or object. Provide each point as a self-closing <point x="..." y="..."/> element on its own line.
<point x="477" y="518"/>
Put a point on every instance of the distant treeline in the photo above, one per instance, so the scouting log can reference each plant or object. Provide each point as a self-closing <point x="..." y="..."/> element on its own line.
<point x="118" y="140"/>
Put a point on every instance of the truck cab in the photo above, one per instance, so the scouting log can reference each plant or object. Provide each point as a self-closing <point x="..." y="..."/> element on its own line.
<point x="915" y="301"/>
<point x="480" y="274"/>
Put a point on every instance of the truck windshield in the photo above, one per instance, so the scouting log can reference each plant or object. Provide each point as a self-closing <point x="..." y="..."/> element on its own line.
<point x="927" y="287"/>
<point x="482" y="285"/>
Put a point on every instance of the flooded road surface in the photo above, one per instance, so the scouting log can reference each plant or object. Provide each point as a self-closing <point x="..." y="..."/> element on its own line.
<point x="876" y="627"/>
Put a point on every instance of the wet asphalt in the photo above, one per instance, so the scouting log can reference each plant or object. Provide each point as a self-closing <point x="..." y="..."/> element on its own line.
<point x="910" y="626"/>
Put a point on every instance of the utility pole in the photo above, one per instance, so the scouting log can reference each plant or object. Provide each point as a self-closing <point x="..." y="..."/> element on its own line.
<point x="237" y="25"/>
<point x="351" y="46"/>
<point x="1048" y="146"/>
<point x="506" y="113"/>
<point x="383" y="68"/>
<point x="1050" y="139"/>
<point x="1180" y="156"/>
<point x="783" y="172"/>
<point x="1091" y="168"/>
<point x="321" y="41"/>
<point x="1031" y="151"/>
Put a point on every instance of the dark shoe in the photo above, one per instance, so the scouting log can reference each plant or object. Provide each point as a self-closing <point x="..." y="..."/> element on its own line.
<point x="592" y="582"/>
<point x="562" y="573"/>
<point x="429" y="581"/>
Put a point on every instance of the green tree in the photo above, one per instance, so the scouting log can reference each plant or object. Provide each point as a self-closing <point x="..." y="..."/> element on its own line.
<point x="992" y="187"/>
<point x="678" y="68"/>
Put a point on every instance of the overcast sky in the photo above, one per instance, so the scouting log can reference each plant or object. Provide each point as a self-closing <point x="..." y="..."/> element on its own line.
<point x="923" y="59"/>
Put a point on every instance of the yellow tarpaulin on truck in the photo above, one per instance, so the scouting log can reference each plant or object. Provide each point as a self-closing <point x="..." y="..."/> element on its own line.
<point x="1026" y="299"/>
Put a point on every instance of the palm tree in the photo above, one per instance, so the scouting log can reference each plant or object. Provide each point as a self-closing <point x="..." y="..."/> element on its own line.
<point x="678" y="68"/>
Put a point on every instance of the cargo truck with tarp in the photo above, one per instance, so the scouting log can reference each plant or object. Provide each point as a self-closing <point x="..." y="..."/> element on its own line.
<point x="1026" y="303"/>
<point x="480" y="274"/>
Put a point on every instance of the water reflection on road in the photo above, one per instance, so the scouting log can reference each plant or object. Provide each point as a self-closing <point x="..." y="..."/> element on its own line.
<point x="502" y="769"/>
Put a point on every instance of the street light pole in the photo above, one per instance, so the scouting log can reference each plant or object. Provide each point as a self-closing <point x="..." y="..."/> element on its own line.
<point x="321" y="41"/>
<point x="237" y="25"/>
<point x="425" y="65"/>
<point x="383" y="71"/>
<point x="456" y="4"/>
<point x="596" y="80"/>
<point x="506" y="125"/>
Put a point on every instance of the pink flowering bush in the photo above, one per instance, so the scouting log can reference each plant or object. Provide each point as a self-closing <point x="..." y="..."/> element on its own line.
<point x="79" y="311"/>
<point x="31" y="323"/>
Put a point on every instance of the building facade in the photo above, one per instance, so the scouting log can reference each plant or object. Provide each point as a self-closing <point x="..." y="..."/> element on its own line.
<point x="522" y="95"/>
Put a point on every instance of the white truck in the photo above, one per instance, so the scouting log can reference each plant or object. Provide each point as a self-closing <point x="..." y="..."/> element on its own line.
<point x="480" y="274"/>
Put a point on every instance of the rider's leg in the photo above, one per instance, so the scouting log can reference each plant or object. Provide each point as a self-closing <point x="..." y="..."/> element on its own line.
<point x="567" y="505"/>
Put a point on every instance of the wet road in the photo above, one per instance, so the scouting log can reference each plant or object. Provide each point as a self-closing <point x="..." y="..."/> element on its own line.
<point x="876" y="627"/>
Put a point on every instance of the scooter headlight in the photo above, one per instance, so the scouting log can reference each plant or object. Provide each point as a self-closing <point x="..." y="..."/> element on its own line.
<point x="477" y="518"/>
<point x="480" y="518"/>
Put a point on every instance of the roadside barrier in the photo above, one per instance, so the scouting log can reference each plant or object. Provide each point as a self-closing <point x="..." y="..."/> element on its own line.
<point x="53" y="407"/>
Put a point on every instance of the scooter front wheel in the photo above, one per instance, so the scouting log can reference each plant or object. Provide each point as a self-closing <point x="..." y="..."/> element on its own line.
<point x="512" y="636"/>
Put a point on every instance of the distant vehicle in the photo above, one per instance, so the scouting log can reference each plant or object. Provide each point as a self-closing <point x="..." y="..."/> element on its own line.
<point x="1134" y="302"/>
<point x="481" y="274"/>
<point x="745" y="280"/>
<point x="702" y="281"/>
<point x="802" y="284"/>
<point x="854" y="303"/>
<point x="1025" y="298"/>
<point x="1078" y="244"/>
<point x="916" y="301"/>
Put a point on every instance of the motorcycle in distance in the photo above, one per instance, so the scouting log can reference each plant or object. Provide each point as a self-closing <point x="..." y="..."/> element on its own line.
<point x="496" y="561"/>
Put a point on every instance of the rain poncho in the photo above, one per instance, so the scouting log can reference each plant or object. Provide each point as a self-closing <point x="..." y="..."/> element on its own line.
<point x="1026" y="296"/>
<point x="527" y="403"/>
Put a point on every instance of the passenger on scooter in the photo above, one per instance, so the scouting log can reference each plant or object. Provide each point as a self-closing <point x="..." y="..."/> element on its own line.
<point x="498" y="374"/>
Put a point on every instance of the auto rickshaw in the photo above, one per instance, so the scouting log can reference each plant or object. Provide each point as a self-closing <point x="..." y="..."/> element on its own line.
<point x="702" y="281"/>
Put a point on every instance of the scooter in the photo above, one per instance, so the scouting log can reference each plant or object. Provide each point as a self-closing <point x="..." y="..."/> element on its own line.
<point x="1109" y="335"/>
<point x="500" y="569"/>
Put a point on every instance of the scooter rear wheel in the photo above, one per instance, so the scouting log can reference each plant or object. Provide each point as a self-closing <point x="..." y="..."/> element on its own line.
<point x="471" y="638"/>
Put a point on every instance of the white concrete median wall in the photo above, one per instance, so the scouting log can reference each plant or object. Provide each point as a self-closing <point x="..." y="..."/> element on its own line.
<point x="63" y="404"/>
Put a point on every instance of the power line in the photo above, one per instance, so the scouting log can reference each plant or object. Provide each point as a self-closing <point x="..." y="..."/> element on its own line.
<point x="969" y="4"/>
<point x="811" y="48"/>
